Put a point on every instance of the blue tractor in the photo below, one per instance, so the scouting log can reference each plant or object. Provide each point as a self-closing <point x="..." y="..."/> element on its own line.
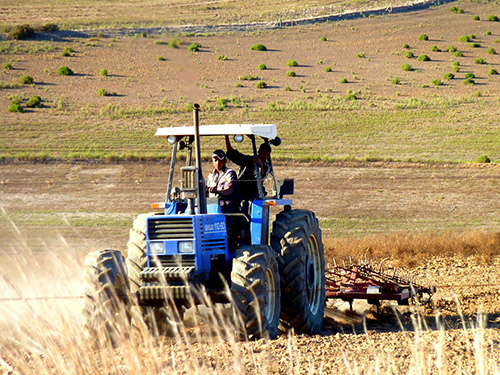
<point x="270" y="271"/>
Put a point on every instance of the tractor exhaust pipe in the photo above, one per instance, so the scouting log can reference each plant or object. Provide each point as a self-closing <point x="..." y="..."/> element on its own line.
<point x="202" y="199"/>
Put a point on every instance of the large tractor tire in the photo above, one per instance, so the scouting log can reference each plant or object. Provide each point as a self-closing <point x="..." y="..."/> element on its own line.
<point x="255" y="289"/>
<point x="157" y="318"/>
<point x="106" y="297"/>
<point x="296" y="238"/>
<point x="136" y="251"/>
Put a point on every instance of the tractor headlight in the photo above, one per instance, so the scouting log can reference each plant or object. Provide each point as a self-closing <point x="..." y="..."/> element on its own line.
<point x="185" y="247"/>
<point x="156" y="248"/>
<point x="171" y="139"/>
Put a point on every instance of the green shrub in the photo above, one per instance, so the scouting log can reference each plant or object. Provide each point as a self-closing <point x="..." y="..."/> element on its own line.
<point x="103" y="92"/>
<point x="8" y="66"/>
<point x="26" y="79"/>
<point x="288" y="88"/>
<point x="291" y="73"/>
<point x="464" y="38"/>
<point x="493" y="18"/>
<point x="454" y="9"/>
<point x="435" y="49"/>
<point x="407" y="67"/>
<point x="406" y="46"/>
<point x="221" y="104"/>
<point x="470" y="75"/>
<point x="449" y="76"/>
<point x="488" y="32"/>
<point x="474" y="45"/>
<point x="258" y="47"/>
<point x="15" y="107"/>
<point x="195" y="47"/>
<point x="67" y="51"/>
<point x="103" y="72"/>
<point x="423" y="58"/>
<point x="396" y="81"/>
<point x="483" y="159"/>
<point x="174" y="43"/>
<point x="409" y="55"/>
<point x="351" y="95"/>
<point x="21" y="32"/>
<point x="480" y="61"/>
<point x="492" y="51"/>
<point x="328" y="69"/>
<point x="452" y="48"/>
<point x="469" y="81"/>
<point x="492" y="72"/>
<point x="161" y="58"/>
<point x="436" y="82"/>
<point x="361" y="55"/>
<point x="262" y="67"/>
<point x="455" y="68"/>
<point x="458" y="54"/>
<point x="160" y="42"/>
<point x="261" y="85"/>
<point x="292" y="63"/>
<point x="423" y="37"/>
<point x="323" y="38"/>
<point x="222" y="57"/>
<point x="248" y="77"/>
<point x="34" y="102"/>
<point x="65" y="71"/>
<point x="16" y="99"/>
<point x="49" y="27"/>
<point x="343" y="80"/>
<point x="476" y="18"/>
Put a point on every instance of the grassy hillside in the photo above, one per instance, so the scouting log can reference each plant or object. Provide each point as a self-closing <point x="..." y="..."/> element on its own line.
<point x="375" y="88"/>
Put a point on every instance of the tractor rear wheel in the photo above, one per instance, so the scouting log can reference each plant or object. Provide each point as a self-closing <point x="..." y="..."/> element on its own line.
<point x="106" y="297"/>
<point x="255" y="290"/>
<point x="296" y="238"/>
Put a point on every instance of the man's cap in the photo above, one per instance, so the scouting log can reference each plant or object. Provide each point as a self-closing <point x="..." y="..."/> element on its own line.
<point x="221" y="155"/>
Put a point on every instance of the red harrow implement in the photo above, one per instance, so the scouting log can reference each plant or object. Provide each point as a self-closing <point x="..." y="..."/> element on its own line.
<point x="363" y="282"/>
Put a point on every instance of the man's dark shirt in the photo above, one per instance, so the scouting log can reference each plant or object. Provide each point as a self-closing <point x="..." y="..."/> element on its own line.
<point x="247" y="176"/>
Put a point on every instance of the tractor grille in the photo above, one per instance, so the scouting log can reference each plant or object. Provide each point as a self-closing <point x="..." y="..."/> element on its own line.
<point x="176" y="261"/>
<point x="170" y="229"/>
<point x="213" y="244"/>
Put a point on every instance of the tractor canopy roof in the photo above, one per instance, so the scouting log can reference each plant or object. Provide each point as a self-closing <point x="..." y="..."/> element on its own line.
<point x="262" y="130"/>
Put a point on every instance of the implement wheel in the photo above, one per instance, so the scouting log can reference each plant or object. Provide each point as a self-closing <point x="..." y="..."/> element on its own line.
<point x="255" y="290"/>
<point x="296" y="238"/>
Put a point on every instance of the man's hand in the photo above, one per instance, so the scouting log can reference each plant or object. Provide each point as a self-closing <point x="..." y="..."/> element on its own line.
<point x="258" y="162"/>
<point x="212" y="189"/>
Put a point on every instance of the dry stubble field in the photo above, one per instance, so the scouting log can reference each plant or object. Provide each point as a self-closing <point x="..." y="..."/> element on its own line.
<point x="438" y="221"/>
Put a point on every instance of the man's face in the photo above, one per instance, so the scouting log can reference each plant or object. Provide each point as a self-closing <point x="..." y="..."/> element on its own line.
<point x="264" y="155"/>
<point x="218" y="163"/>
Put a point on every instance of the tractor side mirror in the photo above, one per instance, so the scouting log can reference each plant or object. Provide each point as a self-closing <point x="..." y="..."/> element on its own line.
<point x="285" y="187"/>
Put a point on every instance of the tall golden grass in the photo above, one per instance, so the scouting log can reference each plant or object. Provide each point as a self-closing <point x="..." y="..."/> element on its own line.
<point x="410" y="249"/>
<point x="47" y="336"/>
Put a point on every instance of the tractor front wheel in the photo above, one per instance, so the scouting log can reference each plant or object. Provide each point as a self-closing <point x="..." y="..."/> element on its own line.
<point x="255" y="290"/>
<point x="296" y="238"/>
<point x="106" y="297"/>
